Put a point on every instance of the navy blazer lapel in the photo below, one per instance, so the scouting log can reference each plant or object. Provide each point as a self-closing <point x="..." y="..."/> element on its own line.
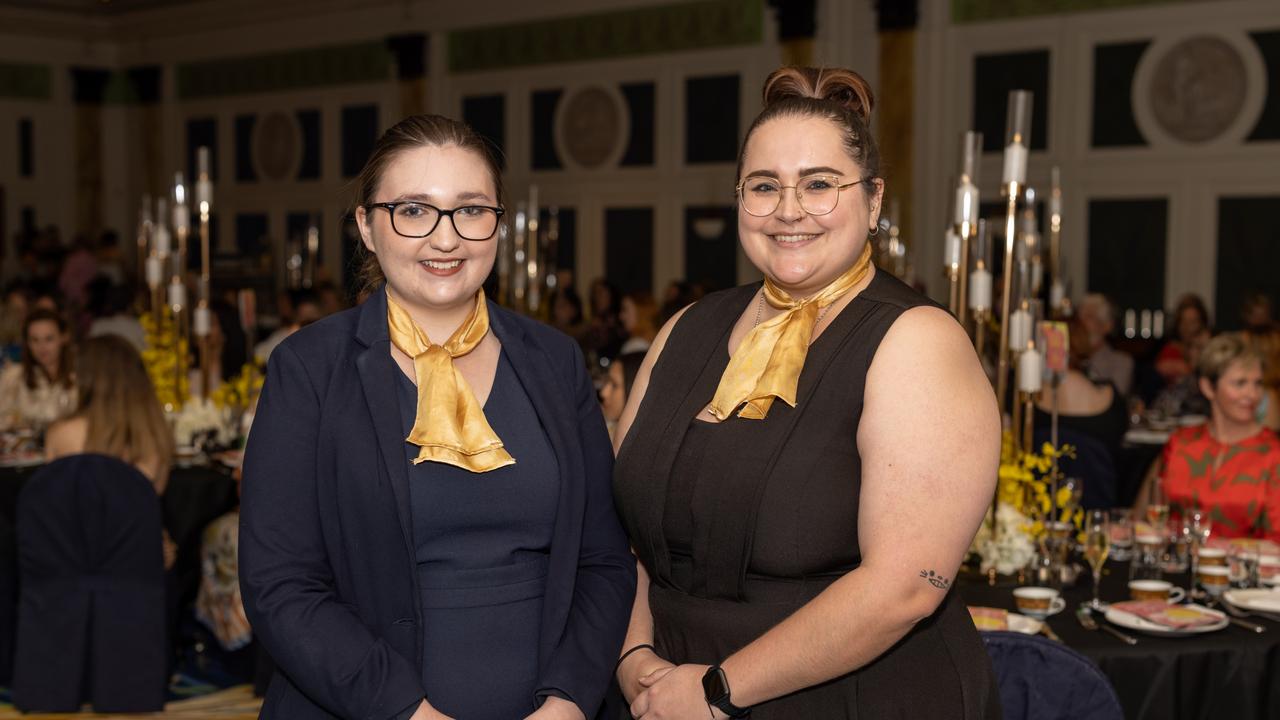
<point x="378" y="377"/>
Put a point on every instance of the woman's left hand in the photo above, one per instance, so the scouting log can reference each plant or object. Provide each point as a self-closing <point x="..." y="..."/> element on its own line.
<point x="674" y="694"/>
<point x="555" y="708"/>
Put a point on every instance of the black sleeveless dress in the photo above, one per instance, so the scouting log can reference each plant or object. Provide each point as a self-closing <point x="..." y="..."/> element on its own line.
<point x="740" y="523"/>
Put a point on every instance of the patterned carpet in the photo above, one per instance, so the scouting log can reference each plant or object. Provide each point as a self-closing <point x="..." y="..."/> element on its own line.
<point x="235" y="703"/>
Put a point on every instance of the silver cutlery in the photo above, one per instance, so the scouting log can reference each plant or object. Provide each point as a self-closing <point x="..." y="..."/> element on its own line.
<point x="1085" y="617"/>
<point x="1234" y="616"/>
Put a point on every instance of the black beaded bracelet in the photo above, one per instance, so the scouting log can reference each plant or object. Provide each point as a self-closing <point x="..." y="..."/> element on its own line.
<point x="625" y="654"/>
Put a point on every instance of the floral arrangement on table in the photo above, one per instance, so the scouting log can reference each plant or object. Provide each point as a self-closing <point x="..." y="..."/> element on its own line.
<point x="1026" y="507"/>
<point x="165" y="358"/>
<point x="218" y="418"/>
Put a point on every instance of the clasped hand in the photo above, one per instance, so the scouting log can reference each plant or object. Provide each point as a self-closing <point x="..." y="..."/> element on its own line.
<point x="672" y="692"/>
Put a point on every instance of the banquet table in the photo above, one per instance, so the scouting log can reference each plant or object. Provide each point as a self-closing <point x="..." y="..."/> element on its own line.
<point x="1230" y="673"/>
<point x="195" y="496"/>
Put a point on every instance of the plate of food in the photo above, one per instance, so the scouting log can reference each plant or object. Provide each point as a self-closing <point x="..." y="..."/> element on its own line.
<point x="1267" y="601"/>
<point x="1157" y="617"/>
<point x="987" y="619"/>
<point x="21" y="459"/>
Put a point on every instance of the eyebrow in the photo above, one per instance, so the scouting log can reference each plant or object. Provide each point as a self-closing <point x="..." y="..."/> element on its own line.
<point x="804" y="172"/>
<point x="426" y="198"/>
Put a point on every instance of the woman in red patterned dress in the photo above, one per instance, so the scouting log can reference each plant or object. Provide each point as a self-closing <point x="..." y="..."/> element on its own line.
<point x="1229" y="466"/>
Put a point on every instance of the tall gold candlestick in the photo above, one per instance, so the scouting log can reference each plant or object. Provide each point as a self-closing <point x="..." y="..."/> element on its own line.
<point x="1014" y="178"/>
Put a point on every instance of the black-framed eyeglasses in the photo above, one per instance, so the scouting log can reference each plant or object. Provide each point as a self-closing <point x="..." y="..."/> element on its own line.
<point x="413" y="219"/>
<point x="816" y="194"/>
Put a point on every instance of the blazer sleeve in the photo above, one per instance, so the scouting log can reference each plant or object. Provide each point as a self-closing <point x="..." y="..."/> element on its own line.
<point x="582" y="664"/>
<point x="285" y="574"/>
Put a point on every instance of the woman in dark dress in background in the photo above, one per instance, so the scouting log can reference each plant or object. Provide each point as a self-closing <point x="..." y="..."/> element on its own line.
<point x="804" y="464"/>
<point x="427" y="525"/>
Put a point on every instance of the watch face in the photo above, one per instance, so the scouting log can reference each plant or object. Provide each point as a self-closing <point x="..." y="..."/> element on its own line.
<point x="714" y="686"/>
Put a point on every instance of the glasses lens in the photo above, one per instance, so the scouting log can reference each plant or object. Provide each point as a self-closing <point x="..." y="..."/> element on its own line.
<point x="760" y="196"/>
<point x="818" y="195"/>
<point x="415" y="219"/>
<point x="475" y="222"/>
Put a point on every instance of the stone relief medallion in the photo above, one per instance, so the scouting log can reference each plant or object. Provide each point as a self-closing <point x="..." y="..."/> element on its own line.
<point x="275" y="146"/>
<point x="591" y="127"/>
<point x="1198" y="89"/>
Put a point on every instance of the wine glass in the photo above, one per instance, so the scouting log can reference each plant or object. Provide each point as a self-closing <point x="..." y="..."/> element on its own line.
<point x="1097" y="544"/>
<point x="1157" y="506"/>
<point x="1121" y="534"/>
<point x="1197" y="527"/>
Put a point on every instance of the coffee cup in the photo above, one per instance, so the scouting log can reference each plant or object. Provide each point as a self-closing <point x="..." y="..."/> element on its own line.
<point x="1149" y="540"/>
<point x="1038" y="602"/>
<point x="1269" y="568"/>
<point x="1212" y="556"/>
<point x="1155" y="590"/>
<point x="1215" y="578"/>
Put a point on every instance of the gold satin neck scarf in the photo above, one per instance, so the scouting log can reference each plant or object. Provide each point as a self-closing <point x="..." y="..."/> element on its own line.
<point x="768" y="362"/>
<point x="450" y="426"/>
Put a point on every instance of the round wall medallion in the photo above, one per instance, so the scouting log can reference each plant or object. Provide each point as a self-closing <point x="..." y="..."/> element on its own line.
<point x="275" y="146"/>
<point x="1198" y="88"/>
<point x="590" y="127"/>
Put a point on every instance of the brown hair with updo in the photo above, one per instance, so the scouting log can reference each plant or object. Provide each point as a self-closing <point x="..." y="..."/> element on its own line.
<point x="838" y="95"/>
<point x="411" y="133"/>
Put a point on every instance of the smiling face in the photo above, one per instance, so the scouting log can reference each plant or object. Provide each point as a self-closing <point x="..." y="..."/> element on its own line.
<point x="799" y="252"/>
<point x="1237" y="393"/>
<point x="442" y="271"/>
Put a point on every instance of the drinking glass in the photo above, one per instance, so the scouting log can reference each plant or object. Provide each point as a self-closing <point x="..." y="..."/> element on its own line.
<point x="1244" y="564"/>
<point x="1121" y="534"/>
<point x="1157" y="506"/>
<point x="1097" y="544"/>
<point x="1178" y="538"/>
<point x="1197" y="527"/>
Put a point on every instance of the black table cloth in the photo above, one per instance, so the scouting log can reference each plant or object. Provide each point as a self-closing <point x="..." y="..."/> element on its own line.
<point x="1231" y="673"/>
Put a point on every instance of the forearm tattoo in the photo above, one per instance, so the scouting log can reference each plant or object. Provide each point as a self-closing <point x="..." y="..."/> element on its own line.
<point x="935" y="579"/>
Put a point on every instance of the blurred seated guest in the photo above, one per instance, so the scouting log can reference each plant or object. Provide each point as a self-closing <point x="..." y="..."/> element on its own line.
<point x="218" y="602"/>
<point x="1229" y="465"/>
<point x="78" y="269"/>
<point x="639" y="319"/>
<point x="1260" y="331"/>
<point x="566" y="312"/>
<point x="117" y="414"/>
<point x="604" y="335"/>
<point x="111" y="263"/>
<point x="1104" y="362"/>
<point x="109" y="306"/>
<point x="331" y="301"/>
<point x="217" y="370"/>
<point x="12" y="314"/>
<point x="306" y="310"/>
<point x="680" y="294"/>
<point x="1086" y="407"/>
<point x="41" y="388"/>
<point x="1176" y="360"/>
<point x="617" y="385"/>
<point x="45" y="297"/>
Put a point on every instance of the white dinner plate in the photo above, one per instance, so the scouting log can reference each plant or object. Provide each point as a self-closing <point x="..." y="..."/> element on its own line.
<point x="1023" y="624"/>
<point x="1133" y="622"/>
<point x="22" y="460"/>
<point x="1258" y="600"/>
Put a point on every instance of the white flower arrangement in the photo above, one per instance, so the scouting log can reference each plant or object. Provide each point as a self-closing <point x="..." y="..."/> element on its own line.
<point x="1011" y="548"/>
<point x="198" y="417"/>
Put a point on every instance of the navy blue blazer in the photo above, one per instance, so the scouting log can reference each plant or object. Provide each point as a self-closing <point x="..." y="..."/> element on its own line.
<point x="326" y="550"/>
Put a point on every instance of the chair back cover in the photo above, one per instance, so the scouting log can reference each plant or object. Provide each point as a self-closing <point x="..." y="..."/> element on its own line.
<point x="8" y="597"/>
<point x="91" y="604"/>
<point x="1041" y="679"/>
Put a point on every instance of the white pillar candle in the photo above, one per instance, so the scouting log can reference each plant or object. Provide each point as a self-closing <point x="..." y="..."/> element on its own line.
<point x="200" y="321"/>
<point x="980" y="290"/>
<point x="155" y="271"/>
<point x="966" y="203"/>
<point x="204" y="194"/>
<point x="1144" y="325"/>
<point x="1057" y="293"/>
<point x="177" y="296"/>
<point x="1037" y="274"/>
<point x="1030" y="368"/>
<point x="1130" y="323"/>
<point x="1019" y="329"/>
<point x="1015" y="164"/>
<point x="952" y="255"/>
<point x="1157" y="324"/>
<point x="162" y="244"/>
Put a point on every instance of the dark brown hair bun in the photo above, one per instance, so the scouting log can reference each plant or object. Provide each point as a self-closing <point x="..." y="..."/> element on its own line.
<point x="843" y="87"/>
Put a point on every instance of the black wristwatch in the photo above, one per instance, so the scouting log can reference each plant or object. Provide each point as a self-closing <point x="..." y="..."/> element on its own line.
<point x="716" y="689"/>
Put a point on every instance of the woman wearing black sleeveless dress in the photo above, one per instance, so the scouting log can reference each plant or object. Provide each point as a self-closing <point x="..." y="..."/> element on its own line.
<point x="803" y="464"/>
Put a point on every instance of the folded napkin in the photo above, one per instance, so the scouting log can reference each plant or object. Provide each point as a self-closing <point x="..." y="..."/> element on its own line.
<point x="986" y="618"/>
<point x="1177" y="617"/>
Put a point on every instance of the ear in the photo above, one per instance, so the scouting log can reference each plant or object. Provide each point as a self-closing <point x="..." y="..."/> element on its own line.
<point x="366" y="232"/>
<point x="876" y="202"/>
<point x="1206" y="388"/>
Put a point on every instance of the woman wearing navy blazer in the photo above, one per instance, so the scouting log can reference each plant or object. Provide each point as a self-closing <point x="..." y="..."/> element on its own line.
<point x="427" y="528"/>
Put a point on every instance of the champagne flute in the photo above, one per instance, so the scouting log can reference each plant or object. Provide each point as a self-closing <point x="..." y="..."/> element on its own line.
<point x="1157" y="506"/>
<point x="1097" y="544"/>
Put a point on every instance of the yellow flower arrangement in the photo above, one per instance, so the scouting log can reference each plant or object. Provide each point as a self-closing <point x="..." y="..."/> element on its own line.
<point x="239" y="392"/>
<point x="1027" y="482"/>
<point x="165" y="358"/>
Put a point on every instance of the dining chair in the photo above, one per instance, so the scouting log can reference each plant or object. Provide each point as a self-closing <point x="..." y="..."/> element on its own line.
<point x="1041" y="679"/>
<point x="91" y="599"/>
